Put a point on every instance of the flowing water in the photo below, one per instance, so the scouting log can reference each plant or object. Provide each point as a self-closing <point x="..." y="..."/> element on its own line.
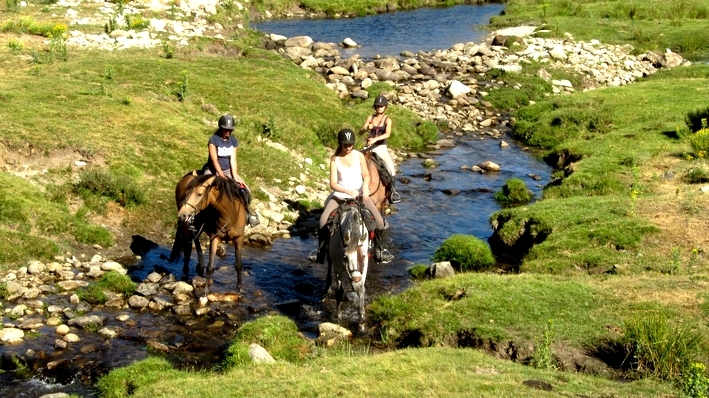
<point x="391" y="33"/>
<point x="436" y="203"/>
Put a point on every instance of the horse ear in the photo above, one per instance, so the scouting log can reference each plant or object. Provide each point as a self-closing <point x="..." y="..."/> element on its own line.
<point x="210" y="181"/>
<point x="194" y="173"/>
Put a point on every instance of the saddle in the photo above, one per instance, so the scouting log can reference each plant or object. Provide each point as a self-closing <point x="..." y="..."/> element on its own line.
<point x="367" y="216"/>
<point x="384" y="175"/>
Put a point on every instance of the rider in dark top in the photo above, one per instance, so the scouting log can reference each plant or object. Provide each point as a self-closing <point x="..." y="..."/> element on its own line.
<point x="222" y="160"/>
<point x="379" y="127"/>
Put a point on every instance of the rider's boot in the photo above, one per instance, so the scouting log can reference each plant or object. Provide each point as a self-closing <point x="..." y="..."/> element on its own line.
<point x="394" y="196"/>
<point x="318" y="255"/>
<point x="252" y="218"/>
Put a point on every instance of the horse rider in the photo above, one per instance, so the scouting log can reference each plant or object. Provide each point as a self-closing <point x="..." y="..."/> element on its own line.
<point x="349" y="178"/>
<point x="222" y="160"/>
<point x="379" y="127"/>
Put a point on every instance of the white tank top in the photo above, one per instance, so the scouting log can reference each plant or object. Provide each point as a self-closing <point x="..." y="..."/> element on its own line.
<point x="348" y="177"/>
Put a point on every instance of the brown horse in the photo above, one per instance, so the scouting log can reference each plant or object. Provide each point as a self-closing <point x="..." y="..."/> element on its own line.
<point x="187" y="232"/>
<point x="218" y="204"/>
<point x="377" y="190"/>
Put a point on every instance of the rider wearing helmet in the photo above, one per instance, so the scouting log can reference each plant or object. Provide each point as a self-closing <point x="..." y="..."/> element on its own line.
<point x="379" y="127"/>
<point x="349" y="178"/>
<point x="222" y="160"/>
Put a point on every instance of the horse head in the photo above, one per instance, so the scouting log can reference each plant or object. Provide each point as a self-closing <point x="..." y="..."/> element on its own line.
<point x="354" y="234"/>
<point x="196" y="198"/>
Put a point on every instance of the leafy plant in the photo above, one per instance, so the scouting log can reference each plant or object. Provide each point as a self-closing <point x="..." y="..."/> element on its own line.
<point x="109" y="72"/>
<point x="182" y="87"/>
<point x="543" y="357"/>
<point x="3" y="291"/>
<point x="419" y="271"/>
<point x="111" y="25"/>
<point x="694" y="382"/>
<point x="465" y="252"/>
<point x="700" y="142"/>
<point x="168" y="49"/>
<point x="15" y="46"/>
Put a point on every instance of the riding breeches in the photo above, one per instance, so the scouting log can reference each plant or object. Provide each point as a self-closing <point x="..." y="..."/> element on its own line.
<point x="384" y="155"/>
<point x="332" y="202"/>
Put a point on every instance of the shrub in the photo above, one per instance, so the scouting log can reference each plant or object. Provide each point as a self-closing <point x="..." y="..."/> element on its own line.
<point x="697" y="120"/>
<point x="465" y="252"/>
<point x="277" y="334"/>
<point x="700" y="142"/>
<point x="657" y="348"/>
<point x="514" y="192"/>
<point x="3" y="291"/>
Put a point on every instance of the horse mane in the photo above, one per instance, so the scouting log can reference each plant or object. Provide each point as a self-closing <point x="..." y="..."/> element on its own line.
<point x="350" y="218"/>
<point x="225" y="186"/>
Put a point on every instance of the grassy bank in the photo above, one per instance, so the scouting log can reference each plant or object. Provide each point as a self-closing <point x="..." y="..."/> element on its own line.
<point x="647" y="25"/>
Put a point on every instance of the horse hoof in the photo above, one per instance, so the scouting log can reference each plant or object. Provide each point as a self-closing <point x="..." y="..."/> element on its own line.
<point x="203" y="301"/>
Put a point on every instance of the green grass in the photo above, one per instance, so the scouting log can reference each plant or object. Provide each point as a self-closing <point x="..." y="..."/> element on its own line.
<point x="277" y="334"/>
<point x="647" y="25"/>
<point x="110" y="281"/>
<point x="494" y="307"/>
<point x="404" y="373"/>
<point x="465" y="253"/>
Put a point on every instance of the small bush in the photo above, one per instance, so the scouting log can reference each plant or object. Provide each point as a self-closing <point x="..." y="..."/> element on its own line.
<point x="514" y="192"/>
<point x="700" y="143"/>
<point x="3" y="291"/>
<point x="465" y="252"/>
<point x="92" y="234"/>
<point x="277" y="334"/>
<point x="697" y="120"/>
<point x="657" y="348"/>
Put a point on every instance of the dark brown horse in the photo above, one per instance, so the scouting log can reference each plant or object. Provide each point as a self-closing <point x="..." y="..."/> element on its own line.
<point x="217" y="203"/>
<point x="187" y="232"/>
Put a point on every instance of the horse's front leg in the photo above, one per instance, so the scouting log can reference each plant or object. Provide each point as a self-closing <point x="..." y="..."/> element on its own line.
<point x="200" y="256"/>
<point x="238" y="245"/>
<point x="213" y="245"/>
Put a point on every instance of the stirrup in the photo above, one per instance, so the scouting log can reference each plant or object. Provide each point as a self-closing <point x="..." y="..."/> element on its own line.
<point x="313" y="256"/>
<point x="395" y="197"/>
<point x="253" y="220"/>
<point x="383" y="256"/>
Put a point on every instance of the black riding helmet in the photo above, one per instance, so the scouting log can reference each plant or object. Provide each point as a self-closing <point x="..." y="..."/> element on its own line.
<point x="346" y="137"/>
<point x="380" y="101"/>
<point x="226" y="122"/>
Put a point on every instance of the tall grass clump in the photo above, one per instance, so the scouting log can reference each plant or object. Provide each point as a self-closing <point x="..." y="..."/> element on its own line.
<point x="514" y="192"/>
<point x="119" y="188"/>
<point x="659" y="349"/>
<point x="465" y="253"/>
<point x="277" y="334"/>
